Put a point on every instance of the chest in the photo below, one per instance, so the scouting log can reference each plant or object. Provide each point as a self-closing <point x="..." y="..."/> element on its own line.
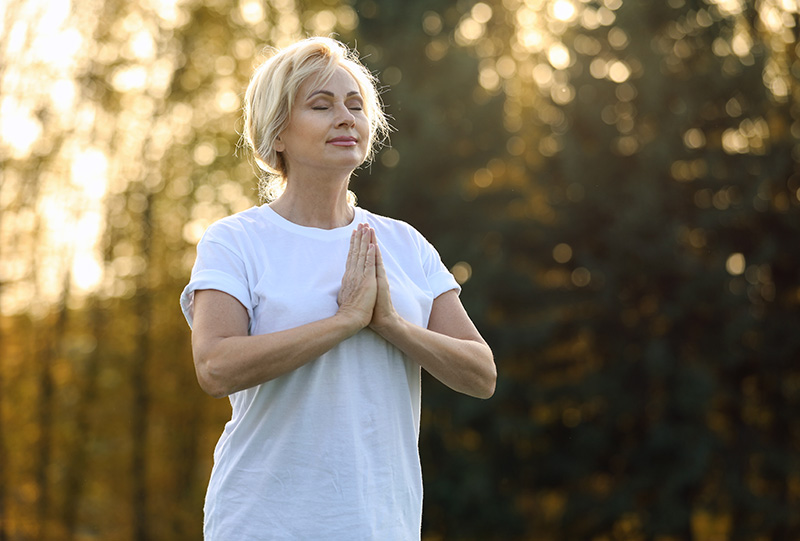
<point x="299" y="282"/>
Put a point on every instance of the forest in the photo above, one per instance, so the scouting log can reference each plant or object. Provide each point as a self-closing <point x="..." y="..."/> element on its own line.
<point x="614" y="183"/>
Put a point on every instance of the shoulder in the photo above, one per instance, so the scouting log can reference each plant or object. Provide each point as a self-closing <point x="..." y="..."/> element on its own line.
<point x="226" y="230"/>
<point x="399" y="235"/>
<point x="386" y="225"/>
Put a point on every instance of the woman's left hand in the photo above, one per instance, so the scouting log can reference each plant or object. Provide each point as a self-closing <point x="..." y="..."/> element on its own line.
<point x="384" y="314"/>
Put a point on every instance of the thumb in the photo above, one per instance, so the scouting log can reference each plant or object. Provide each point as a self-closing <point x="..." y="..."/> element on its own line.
<point x="380" y="270"/>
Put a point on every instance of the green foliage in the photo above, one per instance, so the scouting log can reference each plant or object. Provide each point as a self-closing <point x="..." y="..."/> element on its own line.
<point x="616" y="183"/>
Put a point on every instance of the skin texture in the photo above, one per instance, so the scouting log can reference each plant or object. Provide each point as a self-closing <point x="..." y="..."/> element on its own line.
<point x="326" y="139"/>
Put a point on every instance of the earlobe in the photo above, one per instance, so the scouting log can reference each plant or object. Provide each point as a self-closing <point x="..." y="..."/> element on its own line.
<point x="279" y="146"/>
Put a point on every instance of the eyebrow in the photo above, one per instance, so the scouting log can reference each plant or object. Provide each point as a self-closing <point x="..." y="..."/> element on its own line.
<point x="329" y="93"/>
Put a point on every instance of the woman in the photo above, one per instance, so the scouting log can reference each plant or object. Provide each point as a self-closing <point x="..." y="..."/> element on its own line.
<point x="314" y="317"/>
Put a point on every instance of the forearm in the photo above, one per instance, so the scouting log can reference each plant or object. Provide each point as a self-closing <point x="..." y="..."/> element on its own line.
<point x="464" y="365"/>
<point x="233" y="363"/>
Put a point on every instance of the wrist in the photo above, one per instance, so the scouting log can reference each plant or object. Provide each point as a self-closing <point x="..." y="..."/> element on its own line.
<point x="350" y="321"/>
<point x="387" y="326"/>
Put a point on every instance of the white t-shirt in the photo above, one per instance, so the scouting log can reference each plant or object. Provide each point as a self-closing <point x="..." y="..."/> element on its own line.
<point x="330" y="450"/>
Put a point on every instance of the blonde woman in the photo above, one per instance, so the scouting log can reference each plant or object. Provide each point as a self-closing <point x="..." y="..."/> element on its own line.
<point x="314" y="316"/>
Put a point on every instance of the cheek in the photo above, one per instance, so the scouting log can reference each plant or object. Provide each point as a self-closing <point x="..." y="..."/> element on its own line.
<point x="363" y="128"/>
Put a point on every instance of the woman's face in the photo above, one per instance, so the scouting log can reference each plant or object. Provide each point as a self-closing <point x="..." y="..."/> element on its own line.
<point x="327" y="129"/>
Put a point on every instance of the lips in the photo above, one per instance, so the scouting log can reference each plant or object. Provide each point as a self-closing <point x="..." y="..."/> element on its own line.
<point x="344" y="141"/>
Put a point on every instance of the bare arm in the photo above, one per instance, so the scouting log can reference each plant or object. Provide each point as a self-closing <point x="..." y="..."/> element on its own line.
<point x="228" y="360"/>
<point x="451" y="349"/>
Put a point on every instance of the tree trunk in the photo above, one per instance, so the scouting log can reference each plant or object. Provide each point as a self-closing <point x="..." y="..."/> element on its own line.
<point x="141" y="399"/>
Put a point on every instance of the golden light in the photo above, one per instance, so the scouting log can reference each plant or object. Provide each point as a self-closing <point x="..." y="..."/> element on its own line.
<point x="581" y="277"/>
<point x="432" y="23"/>
<point x="462" y="272"/>
<point x="618" y="71"/>
<point x="489" y="78"/>
<point x="483" y="178"/>
<point x="532" y="40"/>
<point x="90" y="172"/>
<point x="617" y="38"/>
<point x="734" y="142"/>
<point x="741" y="43"/>
<point x="598" y="68"/>
<point x="252" y="11"/>
<point x="129" y="78"/>
<point x="526" y="18"/>
<point x="694" y="138"/>
<point x="729" y="7"/>
<point x="469" y="31"/>
<point x="558" y="56"/>
<point x="563" y="10"/>
<point x="19" y="128"/>
<point x="390" y="157"/>
<point x="735" y="264"/>
<point x="323" y="22"/>
<point x="506" y="67"/>
<point x="204" y="154"/>
<point x="86" y="270"/>
<point x="346" y="17"/>
<point x="562" y="253"/>
<point x="543" y="75"/>
<point x="227" y="101"/>
<point x="141" y="45"/>
<point x="481" y="12"/>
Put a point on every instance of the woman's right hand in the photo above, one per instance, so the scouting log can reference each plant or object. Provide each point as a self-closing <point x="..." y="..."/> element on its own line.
<point x="359" y="283"/>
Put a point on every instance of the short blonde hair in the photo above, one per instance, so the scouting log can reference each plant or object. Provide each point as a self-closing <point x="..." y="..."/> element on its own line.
<point x="273" y="89"/>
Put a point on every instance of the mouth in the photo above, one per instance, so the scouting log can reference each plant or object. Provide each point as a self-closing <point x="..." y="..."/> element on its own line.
<point x="343" y="141"/>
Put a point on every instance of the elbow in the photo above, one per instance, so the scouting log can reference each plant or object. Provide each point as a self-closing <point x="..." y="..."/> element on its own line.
<point x="209" y="379"/>
<point x="486" y="382"/>
<point x="212" y="387"/>
<point x="213" y="391"/>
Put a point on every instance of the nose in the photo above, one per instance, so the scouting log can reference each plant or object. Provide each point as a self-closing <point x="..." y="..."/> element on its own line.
<point x="344" y="117"/>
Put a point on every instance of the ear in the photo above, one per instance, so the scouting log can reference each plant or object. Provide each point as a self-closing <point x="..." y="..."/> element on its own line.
<point x="279" y="146"/>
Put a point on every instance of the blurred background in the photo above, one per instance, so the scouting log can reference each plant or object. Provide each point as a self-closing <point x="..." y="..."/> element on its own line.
<point x="614" y="182"/>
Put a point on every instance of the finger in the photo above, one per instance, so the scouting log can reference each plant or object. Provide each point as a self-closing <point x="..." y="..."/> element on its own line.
<point x="355" y="255"/>
<point x="369" y="265"/>
<point x="380" y="269"/>
<point x="378" y="255"/>
<point x="350" y="253"/>
<point x="363" y="247"/>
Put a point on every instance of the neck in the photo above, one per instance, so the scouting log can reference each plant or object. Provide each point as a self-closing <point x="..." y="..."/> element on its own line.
<point x="315" y="202"/>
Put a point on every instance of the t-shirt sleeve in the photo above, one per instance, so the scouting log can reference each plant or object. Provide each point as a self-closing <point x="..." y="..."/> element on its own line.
<point x="219" y="267"/>
<point x="440" y="279"/>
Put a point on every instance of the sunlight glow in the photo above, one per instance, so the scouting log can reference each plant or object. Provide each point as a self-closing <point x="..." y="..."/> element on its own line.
<point x="562" y="253"/>
<point x="618" y="71"/>
<point x="735" y="264"/>
<point x="469" y="31"/>
<point x="90" y="172"/>
<point x="19" y="128"/>
<point x="252" y="11"/>
<point x="532" y="40"/>
<point x="462" y="272"/>
<point x="87" y="272"/>
<point x="481" y="12"/>
<point x="729" y="7"/>
<point x="558" y="56"/>
<point x="563" y="10"/>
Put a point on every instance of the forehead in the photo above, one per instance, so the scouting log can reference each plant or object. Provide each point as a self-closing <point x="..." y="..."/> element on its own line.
<point x="340" y="83"/>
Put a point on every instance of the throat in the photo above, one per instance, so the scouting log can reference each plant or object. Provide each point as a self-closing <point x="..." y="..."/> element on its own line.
<point x="317" y="216"/>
